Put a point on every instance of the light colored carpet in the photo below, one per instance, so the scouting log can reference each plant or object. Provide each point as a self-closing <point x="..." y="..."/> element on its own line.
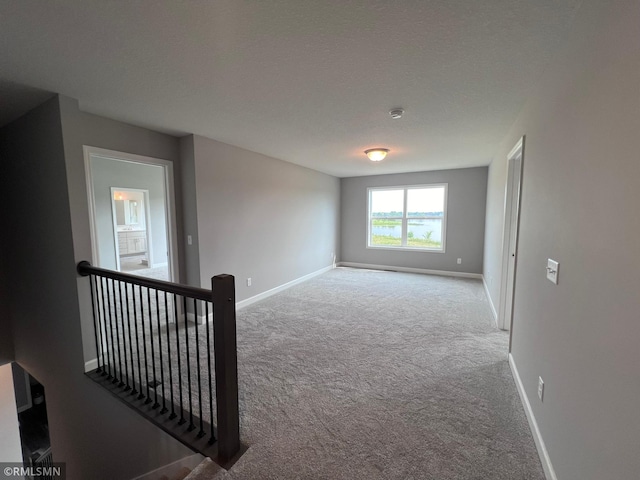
<point x="361" y="374"/>
<point x="207" y="470"/>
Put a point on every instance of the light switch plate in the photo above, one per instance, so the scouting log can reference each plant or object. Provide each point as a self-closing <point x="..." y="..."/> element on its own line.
<point x="540" y="389"/>
<point x="552" y="270"/>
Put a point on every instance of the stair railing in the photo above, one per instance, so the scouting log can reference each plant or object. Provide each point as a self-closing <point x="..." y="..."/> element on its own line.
<point x="154" y="345"/>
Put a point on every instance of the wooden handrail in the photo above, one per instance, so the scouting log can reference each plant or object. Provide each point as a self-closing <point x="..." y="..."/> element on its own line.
<point x="85" y="268"/>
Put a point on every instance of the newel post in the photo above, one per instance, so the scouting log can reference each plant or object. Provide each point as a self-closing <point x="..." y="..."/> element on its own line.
<point x="226" y="365"/>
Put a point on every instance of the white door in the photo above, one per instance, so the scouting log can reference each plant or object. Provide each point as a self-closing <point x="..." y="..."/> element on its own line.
<point x="510" y="239"/>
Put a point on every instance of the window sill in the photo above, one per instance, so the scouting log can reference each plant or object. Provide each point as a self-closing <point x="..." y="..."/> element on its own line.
<point x="407" y="249"/>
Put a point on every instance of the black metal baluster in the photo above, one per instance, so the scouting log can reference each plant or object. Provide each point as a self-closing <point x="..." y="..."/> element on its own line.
<point x="175" y="312"/>
<point x="206" y="319"/>
<point x="135" y="326"/>
<point x="166" y="319"/>
<point x="144" y="343"/>
<point x="124" y="338"/>
<point x="116" y="351"/>
<point x="116" y="297"/>
<point x="104" y="334"/>
<point x="101" y="322"/>
<point x="104" y="282"/>
<point x="162" y="383"/>
<point x="153" y="355"/>
<point x="186" y="336"/>
<point x="116" y="344"/>
<point x="133" y="374"/>
<point x="116" y="361"/>
<point x="96" y="326"/>
<point x="201" y="432"/>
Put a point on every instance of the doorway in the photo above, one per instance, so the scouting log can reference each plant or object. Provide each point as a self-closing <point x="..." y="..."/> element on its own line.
<point x="32" y="418"/>
<point x="132" y="213"/>
<point x="510" y="234"/>
<point x="132" y="229"/>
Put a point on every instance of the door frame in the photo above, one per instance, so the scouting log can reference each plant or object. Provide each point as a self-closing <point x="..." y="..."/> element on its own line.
<point x="169" y="194"/>
<point x="147" y="222"/>
<point x="513" y="194"/>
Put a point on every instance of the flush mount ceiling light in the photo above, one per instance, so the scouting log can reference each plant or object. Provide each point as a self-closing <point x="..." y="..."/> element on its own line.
<point x="376" y="154"/>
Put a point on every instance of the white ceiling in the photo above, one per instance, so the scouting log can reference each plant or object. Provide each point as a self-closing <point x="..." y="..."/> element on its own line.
<point x="310" y="82"/>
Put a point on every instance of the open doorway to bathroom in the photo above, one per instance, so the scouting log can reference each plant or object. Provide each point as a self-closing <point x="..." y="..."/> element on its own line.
<point x="132" y="231"/>
<point x="132" y="213"/>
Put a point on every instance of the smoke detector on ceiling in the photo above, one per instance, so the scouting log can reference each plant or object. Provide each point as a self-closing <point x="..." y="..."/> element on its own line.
<point x="396" y="113"/>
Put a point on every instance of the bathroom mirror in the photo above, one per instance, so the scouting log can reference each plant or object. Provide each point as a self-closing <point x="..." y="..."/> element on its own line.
<point x="127" y="212"/>
<point x="128" y="208"/>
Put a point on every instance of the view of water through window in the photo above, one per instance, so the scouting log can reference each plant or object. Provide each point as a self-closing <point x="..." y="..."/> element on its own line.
<point x="420" y="226"/>
<point x="416" y="229"/>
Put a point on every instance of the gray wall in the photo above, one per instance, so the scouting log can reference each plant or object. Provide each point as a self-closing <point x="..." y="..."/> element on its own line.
<point x="107" y="173"/>
<point x="580" y="201"/>
<point x="86" y="129"/>
<point x="262" y="218"/>
<point x="89" y="429"/>
<point x="79" y="129"/>
<point x="21" y="385"/>
<point x="6" y="336"/>
<point x="465" y="221"/>
<point x="189" y="212"/>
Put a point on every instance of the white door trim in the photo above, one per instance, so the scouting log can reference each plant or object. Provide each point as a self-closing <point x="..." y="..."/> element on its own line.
<point x="513" y="193"/>
<point x="170" y="210"/>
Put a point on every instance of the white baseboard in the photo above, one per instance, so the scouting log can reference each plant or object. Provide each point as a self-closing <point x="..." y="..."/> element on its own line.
<point x="410" y="270"/>
<point x="549" y="472"/>
<point x="200" y="320"/>
<point x="493" y="308"/>
<point x="90" y="365"/>
<point x="261" y="296"/>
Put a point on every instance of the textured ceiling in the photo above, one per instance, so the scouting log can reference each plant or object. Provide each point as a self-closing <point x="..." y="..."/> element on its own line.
<point x="310" y="82"/>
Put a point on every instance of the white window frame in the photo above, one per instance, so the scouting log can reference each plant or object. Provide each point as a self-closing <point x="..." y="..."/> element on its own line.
<point x="405" y="218"/>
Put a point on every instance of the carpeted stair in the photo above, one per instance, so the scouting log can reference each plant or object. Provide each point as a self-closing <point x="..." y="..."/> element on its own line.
<point x="207" y="470"/>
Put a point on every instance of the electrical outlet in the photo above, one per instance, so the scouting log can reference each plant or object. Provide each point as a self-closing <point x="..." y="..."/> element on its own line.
<point x="459" y="261"/>
<point x="249" y="282"/>
<point x="540" y="389"/>
<point x="189" y="240"/>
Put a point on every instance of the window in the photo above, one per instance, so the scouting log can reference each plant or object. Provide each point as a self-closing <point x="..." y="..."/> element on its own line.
<point x="411" y="218"/>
